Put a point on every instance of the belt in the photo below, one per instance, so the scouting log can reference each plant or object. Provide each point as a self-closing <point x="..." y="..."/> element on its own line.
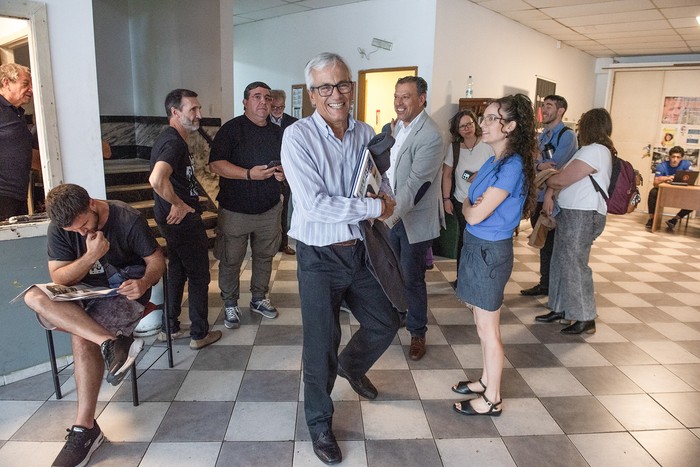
<point x="352" y="242"/>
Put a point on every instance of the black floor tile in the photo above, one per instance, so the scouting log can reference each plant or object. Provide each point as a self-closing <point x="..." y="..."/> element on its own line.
<point x="256" y="454"/>
<point x="195" y="421"/>
<point x="269" y="386"/>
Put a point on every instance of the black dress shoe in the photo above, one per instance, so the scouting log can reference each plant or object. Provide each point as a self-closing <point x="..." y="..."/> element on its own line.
<point x="549" y="317"/>
<point x="536" y="290"/>
<point x="580" y="327"/>
<point x="326" y="448"/>
<point x="363" y="386"/>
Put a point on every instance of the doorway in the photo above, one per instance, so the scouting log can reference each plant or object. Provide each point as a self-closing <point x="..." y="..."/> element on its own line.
<point x="375" y="94"/>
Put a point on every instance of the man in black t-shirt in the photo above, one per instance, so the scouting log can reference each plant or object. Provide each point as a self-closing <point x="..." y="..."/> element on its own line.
<point x="178" y="214"/>
<point x="245" y="154"/>
<point x="101" y="243"/>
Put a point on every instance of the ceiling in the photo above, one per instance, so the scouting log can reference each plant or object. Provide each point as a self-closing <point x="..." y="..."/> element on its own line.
<point x="602" y="28"/>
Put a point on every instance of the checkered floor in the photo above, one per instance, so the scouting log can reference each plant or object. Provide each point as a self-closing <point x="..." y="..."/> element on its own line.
<point x="626" y="396"/>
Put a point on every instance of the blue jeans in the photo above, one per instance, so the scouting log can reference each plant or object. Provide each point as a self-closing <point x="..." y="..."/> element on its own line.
<point x="412" y="261"/>
<point x="327" y="276"/>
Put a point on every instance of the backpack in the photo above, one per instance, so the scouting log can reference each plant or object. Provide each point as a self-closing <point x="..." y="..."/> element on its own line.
<point x="623" y="194"/>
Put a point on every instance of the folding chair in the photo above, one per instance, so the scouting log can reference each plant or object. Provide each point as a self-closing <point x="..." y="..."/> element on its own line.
<point x="134" y="376"/>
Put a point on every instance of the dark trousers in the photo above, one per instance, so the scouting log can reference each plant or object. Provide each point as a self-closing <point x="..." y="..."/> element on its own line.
<point x="327" y="276"/>
<point x="287" y="194"/>
<point x="462" y="224"/>
<point x="12" y="207"/>
<point x="412" y="262"/>
<point x="546" y="250"/>
<point x="188" y="260"/>
<point x="651" y="204"/>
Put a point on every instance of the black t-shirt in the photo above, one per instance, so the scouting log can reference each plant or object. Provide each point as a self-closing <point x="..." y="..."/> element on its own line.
<point x="130" y="240"/>
<point x="16" y="142"/>
<point x="172" y="149"/>
<point x="246" y="145"/>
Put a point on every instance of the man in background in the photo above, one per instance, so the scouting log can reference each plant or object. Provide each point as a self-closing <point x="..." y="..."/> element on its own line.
<point x="415" y="175"/>
<point x="665" y="173"/>
<point x="245" y="154"/>
<point x="16" y="140"/>
<point x="557" y="144"/>
<point x="179" y="217"/>
<point x="279" y="117"/>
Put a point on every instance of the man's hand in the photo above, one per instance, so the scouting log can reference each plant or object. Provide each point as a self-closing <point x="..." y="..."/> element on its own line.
<point x="97" y="245"/>
<point x="388" y="205"/>
<point x="279" y="174"/>
<point x="261" y="172"/>
<point x="133" y="288"/>
<point x="449" y="208"/>
<point x="669" y="178"/>
<point x="178" y="212"/>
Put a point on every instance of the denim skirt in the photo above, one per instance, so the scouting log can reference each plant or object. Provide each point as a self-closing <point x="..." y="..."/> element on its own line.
<point x="484" y="270"/>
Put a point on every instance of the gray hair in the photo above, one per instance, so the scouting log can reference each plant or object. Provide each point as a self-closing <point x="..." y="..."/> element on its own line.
<point x="278" y="94"/>
<point x="11" y="71"/>
<point x="321" y="61"/>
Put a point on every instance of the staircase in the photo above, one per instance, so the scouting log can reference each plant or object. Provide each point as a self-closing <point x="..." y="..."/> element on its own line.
<point x="127" y="180"/>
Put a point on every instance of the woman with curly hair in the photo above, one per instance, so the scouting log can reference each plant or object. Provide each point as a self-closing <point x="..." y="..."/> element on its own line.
<point x="580" y="220"/>
<point x="500" y="195"/>
<point x="464" y="158"/>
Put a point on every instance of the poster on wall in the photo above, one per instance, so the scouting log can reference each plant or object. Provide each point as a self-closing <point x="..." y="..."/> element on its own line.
<point x="680" y="126"/>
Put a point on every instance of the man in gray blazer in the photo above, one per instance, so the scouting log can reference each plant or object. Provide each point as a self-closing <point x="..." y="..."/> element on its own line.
<point x="416" y="161"/>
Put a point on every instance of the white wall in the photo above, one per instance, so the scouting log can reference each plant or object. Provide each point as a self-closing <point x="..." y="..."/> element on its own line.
<point x="502" y="56"/>
<point x="276" y="50"/>
<point x="72" y="49"/>
<point x="113" y="57"/>
<point x="175" y="44"/>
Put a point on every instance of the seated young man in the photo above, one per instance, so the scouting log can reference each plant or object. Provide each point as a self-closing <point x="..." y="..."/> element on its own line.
<point x="100" y="243"/>
<point x="665" y="172"/>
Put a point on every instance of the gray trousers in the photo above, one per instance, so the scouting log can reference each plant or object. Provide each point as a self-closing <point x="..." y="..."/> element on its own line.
<point x="570" y="277"/>
<point x="233" y="231"/>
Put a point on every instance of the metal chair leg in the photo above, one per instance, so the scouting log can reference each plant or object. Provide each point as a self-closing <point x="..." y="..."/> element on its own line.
<point x="54" y="367"/>
<point x="166" y="311"/>
<point x="134" y="386"/>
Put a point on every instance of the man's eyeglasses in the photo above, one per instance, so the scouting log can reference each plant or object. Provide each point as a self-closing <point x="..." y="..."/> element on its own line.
<point x="466" y="125"/>
<point x="277" y="107"/>
<point x="261" y="97"/>
<point x="325" y="90"/>
<point x="490" y="118"/>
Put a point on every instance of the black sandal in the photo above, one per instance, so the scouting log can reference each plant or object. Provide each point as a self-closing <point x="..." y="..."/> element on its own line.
<point x="463" y="387"/>
<point x="466" y="408"/>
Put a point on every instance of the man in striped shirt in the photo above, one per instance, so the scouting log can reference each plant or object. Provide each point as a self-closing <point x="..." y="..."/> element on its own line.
<point x="319" y="156"/>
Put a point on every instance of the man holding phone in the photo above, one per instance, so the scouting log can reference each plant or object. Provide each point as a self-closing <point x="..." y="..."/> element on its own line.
<point x="245" y="154"/>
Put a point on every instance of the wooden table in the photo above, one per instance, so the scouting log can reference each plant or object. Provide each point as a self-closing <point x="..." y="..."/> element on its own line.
<point x="674" y="196"/>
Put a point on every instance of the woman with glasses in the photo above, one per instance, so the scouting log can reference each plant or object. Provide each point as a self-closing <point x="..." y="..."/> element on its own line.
<point x="499" y="195"/>
<point x="580" y="220"/>
<point x="464" y="158"/>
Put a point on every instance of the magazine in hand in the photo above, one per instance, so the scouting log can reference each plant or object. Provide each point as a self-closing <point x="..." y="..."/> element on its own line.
<point x="64" y="293"/>
<point x="366" y="178"/>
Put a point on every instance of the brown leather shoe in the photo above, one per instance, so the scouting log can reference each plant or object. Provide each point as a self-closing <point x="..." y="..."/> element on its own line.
<point x="417" y="349"/>
<point x="288" y="250"/>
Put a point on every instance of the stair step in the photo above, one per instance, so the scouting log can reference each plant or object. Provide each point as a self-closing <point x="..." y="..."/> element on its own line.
<point x="130" y="193"/>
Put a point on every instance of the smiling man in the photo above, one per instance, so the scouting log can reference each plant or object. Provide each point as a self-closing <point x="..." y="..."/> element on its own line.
<point x="320" y="154"/>
<point x="16" y="141"/>
<point x="245" y="154"/>
<point x="415" y="175"/>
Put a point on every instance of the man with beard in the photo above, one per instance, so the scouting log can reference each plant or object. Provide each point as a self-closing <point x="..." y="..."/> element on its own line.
<point x="16" y="141"/>
<point x="106" y="244"/>
<point x="178" y="214"/>
<point x="557" y="145"/>
<point x="245" y="154"/>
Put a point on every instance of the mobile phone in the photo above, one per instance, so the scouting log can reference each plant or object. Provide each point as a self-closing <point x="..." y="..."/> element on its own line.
<point x="467" y="174"/>
<point x="275" y="163"/>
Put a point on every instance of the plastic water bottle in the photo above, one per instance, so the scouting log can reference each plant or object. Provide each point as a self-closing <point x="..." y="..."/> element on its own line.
<point x="470" y="87"/>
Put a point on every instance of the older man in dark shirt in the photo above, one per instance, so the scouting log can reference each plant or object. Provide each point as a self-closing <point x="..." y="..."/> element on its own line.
<point x="16" y="141"/>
